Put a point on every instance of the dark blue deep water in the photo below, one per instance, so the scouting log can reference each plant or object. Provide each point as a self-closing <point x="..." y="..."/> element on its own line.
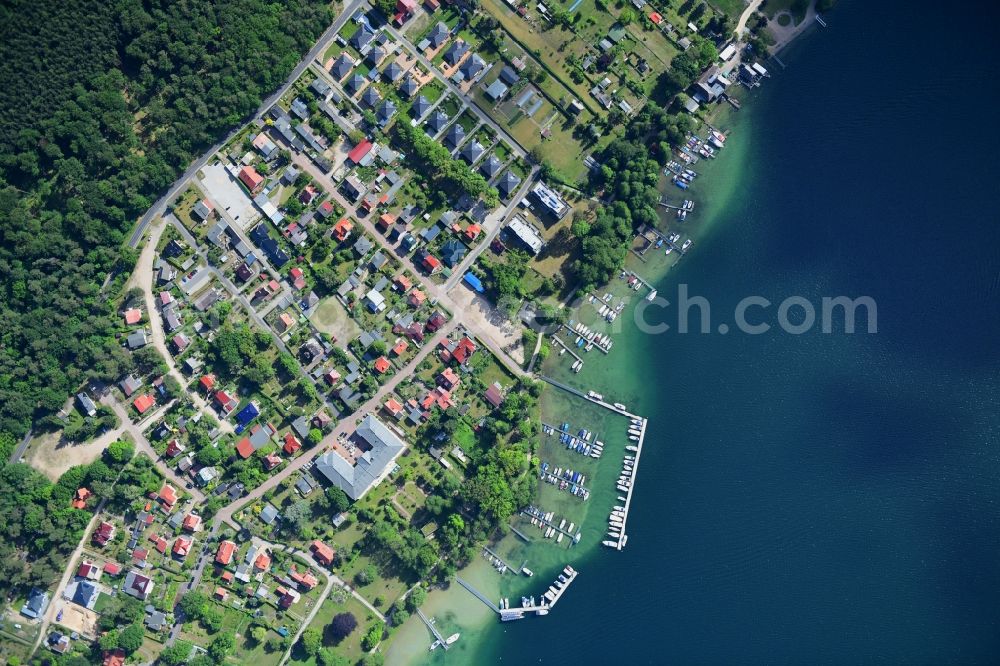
<point x="826" y="498"/>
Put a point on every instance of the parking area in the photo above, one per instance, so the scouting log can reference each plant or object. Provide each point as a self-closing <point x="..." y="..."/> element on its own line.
<point x="227" y="194"/>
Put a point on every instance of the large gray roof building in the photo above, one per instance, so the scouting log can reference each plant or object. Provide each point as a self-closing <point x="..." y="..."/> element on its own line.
<point x="372" y="466"/>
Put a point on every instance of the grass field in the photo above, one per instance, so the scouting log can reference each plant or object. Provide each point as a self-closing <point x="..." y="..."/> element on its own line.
<point x="330" y="317"/>
<point x="339" y="601"/>
<point x="732" y="8"/>
<point x="797" y="8"/>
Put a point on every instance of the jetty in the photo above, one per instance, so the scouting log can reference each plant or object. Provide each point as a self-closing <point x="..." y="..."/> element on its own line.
<point x="548" y="599"/>
<point x="623" y="537"/>
<point x="520" y="533"/>
<point x="479" y="595"/>
<point x="434" y="630"/>
<point x="592" y="337"/>
<point x="506" y="567"/>
<point x="540" y="517"/>
<point x="581" y="394"/>
<point x="568" y="348"/>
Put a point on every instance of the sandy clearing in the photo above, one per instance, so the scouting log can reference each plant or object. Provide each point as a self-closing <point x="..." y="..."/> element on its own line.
<point x="52" y="456"/>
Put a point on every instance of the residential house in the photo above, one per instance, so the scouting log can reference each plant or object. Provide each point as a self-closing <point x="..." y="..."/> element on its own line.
<point x="137" y="585"/>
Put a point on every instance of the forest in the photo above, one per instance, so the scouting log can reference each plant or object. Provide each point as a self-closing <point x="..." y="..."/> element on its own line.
<point x="104" y="104"/>
<point x="629" y="175"/>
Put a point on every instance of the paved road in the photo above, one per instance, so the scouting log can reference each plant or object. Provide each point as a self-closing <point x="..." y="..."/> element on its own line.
<point x="22" y="447"/>
<point x="344" y="427"/>
<point x="206" y="555"/>
<point x="142" y="444"/>
<point x="741" y="25"/>
<point x="57" y="601"/>
<point x="181" y="183"/>
<point x="518" y="148"/>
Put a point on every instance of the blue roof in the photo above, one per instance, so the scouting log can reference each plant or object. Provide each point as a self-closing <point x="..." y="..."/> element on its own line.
<point x="473" y="281"/>
<point x="247" y="414"/>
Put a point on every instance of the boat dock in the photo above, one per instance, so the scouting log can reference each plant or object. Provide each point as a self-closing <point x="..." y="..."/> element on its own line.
<point x="506" y="566"/>
<point x="549" y="599"/>
<point x="576" y="392"/>
<point x="540" y="517"/>
<point x="631" y="486"/>
<point x="592" y="337"/>
<point x="562" y="344"/>
<point x="430" y="625"/>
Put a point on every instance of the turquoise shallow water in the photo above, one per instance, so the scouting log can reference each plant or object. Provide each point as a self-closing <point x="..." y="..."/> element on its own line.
<point x="818" y="498"/>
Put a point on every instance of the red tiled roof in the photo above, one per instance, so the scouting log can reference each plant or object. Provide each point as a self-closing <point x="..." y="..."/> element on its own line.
<point x="139" y="554"/>
<point x="271" y="461"/>
<point x="133" y="316"/>
<point x="112" y="569"/>
<point x="464" y="349"/>
<point x="382" y="365"/>
<point x="182" y="546"/>
<point x="393" y="407"/>
<point x="191" y="522"/>
<point x="359" y="151"/>
<point x="292" y="444"/>
<point x="449" y="378"/>
<point x="263" y="562"/>
<point x="400" y="347"/>
<point x="250" y="178"/>
<point x="104" y="533"/>
<point x="244" y="448"/>
<point x="114" y="658"/>
<point x="168" y="494"/>
<point x="322" y="552"/>
<point x="417" y="298"/>
<point x="342" y="229"/>
<point x="225" y="553"/>
<point x="143" y="403"/>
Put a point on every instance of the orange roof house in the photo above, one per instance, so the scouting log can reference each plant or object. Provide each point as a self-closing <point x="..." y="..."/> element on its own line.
<point x="464" y="350"/>
<point x="655" y="17"/>
<point x="207" y="382"/>
<point x="382" y="365"/>
<point x="286" y="321"/>
<point x="448" y="379"/>
<point x="292" y="444"/>
<point x="245" y="448"/>
<point x="263" y="562"/>
<point x="305" y="580"/>
<point x="432" y="264"/>
<point x="342" y="230"/>
<point x="402" y="283"/>
<point x="393" y="407"/>
<point x="322" y="552"/>
<point x="473" y="231"/>
<point x="168" y="496"/>
<point x="143" y="403"/>
<point x="400" y="347"/>
<point x="192" y="522"/>
<point x="271" y="461"/>
<point x="80" y="498"/>
<point x="133" y="316"/>
<point x="386" y="220"/>
<point x="417" y="298"/>
<point x="182" y="546"/>
<point x="221" y="594"/>
<point x="114" y="658"/>
<point x="159" y="542"/>
<point x="225" y="553"/>
<point x="250" y="178"/>
<point x="332" y="377"/>
<point x="439" y="396"/>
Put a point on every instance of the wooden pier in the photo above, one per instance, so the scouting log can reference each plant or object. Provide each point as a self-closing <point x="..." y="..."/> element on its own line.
<point x="519" y="533"/>
<point x="631" y="485"/>
<point x="479" y="595"/>
<point x="606" y="405"/>
<point x="590" y="337"/>
<point x="493" y="554"/>
<point x="546" y="523"/>
<point x="434" y="630"/>
<point x="562" y="344"/>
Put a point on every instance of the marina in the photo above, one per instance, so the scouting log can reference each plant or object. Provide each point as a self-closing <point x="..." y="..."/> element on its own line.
<point x="617" y="407"/>
<point x="544" y="522"/>
<point x="580" y="442"/>
<point x="528" y="606"/>
<point x="498" y="562"/>
<point x="626" y="484"/>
